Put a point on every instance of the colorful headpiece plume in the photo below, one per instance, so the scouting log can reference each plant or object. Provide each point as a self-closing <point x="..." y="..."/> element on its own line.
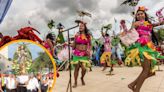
<point x="142" y="8"/>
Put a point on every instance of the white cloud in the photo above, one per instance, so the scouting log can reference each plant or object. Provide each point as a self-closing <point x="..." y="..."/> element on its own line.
<point x="39" y="12"/>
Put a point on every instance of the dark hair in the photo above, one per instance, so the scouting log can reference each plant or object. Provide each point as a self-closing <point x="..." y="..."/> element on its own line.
<point x="146" y="16"/>
<point x="106" y="34"/>
<point x="86" y="30"/>
<point x="153" y="37"/>
<point x="96" y="42"/>
<point x="50" y="36"/>
<point x="102" y="48"/>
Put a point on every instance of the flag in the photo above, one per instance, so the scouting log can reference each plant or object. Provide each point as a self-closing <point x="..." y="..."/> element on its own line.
<point x="51" y="24"/>
<point x="4" y="6"/>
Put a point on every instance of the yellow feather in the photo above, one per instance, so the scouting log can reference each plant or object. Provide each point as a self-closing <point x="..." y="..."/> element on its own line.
<point x="149" y="57"/>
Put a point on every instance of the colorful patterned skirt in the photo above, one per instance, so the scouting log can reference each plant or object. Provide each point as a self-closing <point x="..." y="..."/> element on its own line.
<point x="103" y="59"/>
<point x="137" y="53"/>
<point x="84" y="60"/>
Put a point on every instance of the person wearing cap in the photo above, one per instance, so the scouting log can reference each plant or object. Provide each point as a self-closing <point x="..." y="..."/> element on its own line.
<point x="11" y="83"/>
<point x="33" y="84"/>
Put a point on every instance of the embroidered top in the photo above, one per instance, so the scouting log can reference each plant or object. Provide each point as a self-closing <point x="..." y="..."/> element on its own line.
<point x="144" y="32"/>
<point x="82" y="39"/>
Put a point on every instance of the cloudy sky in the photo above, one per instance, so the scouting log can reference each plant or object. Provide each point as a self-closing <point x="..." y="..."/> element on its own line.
<point x="39" y="12"/>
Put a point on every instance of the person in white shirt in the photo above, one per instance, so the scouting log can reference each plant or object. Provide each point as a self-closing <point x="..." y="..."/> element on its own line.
<point x="33" y="84"/>
<point x="22" y="80"/>
<point x="11" y="83"/>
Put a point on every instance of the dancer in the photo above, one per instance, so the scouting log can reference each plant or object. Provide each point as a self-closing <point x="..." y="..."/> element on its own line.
<point x="143" y="51"/>
<point x="82" y="46"/>
<point x="107" y="50"/>
<point x="49" y="43"/>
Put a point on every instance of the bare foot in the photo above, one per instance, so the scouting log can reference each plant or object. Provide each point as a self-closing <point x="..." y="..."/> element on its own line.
<point x="103" y="69"/>
<point x="74" y="86"/>
<point x="90" y="70"/>
<point x="82" y="81"/>
<point x="136" y="91"/>
<point x="151" y="74"/>
<point x="130" y="86"/>
<point x="111" y="70"/>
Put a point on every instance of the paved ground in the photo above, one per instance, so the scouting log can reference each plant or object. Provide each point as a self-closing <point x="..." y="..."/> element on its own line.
<point x="97" y="81"/>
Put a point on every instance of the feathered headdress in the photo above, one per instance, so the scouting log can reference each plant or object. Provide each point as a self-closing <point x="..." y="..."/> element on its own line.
<point x="142" y="8"/>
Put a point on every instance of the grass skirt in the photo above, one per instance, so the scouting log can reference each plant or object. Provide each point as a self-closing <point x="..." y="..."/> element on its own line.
<point x="84" y="60"/>
<point x="136" y="54"/>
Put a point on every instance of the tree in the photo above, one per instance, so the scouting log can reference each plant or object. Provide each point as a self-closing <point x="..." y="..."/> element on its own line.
<point x="41" y="62"/>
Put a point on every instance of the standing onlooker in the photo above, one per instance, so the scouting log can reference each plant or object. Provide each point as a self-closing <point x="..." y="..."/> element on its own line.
<point x="11" y="83"/>
<point x="50" y="83"/>
<point x="22" y="80"/>
<point x="33" y="84"/>
<point x="45" y="83"/>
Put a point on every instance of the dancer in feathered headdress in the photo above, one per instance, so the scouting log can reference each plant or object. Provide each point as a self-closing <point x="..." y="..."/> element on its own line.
<point x="81" y="54"/>
<point x="105" y="57"/>
<point x="143" y="52"/>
